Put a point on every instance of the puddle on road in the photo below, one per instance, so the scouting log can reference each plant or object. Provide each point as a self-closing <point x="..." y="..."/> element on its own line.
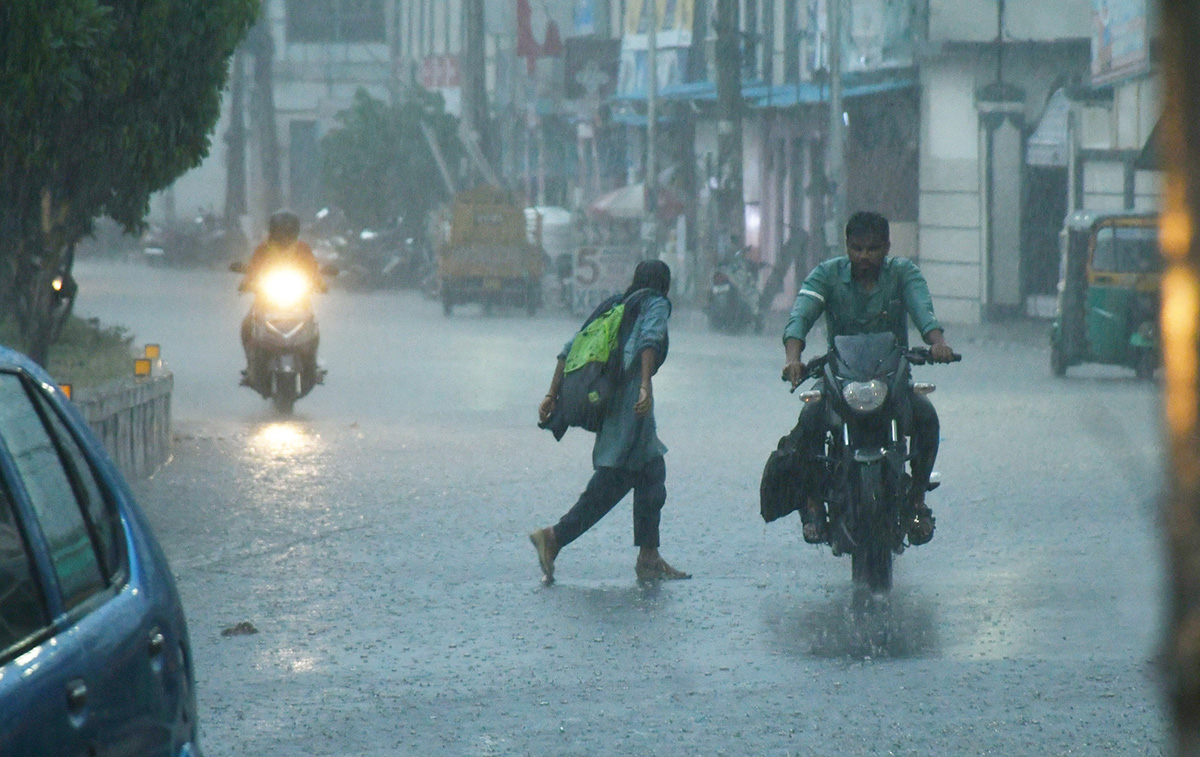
<point x="283" y="439"/>
<point x="842" y="626"/>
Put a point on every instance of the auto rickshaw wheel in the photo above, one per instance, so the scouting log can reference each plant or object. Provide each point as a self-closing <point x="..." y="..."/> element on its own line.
<point x="1146" y="364"/>
<point x="1058" y="361"/>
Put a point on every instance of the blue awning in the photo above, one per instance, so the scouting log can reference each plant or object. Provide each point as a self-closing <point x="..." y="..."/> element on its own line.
<point x="809" y="93"/>
<point x="638" y="119"/>
<point x="760" y="95"/>
<point x="696" y="91"/>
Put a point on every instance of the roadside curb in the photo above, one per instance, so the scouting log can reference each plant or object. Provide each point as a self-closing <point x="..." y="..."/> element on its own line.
<point x="132" y="418"/>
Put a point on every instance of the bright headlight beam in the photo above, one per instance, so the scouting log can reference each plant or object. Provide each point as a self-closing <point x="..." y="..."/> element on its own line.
<point x="284" y="287"/>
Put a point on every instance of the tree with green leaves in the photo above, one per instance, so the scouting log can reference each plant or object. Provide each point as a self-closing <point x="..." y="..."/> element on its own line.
<point x="102" y="103"/>
<point x="377" y="165"/>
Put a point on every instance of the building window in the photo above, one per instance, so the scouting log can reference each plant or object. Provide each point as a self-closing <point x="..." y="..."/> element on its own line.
<point x="336" y="21"/>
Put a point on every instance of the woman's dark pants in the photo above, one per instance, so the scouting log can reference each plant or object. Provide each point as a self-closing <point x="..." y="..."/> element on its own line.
<point x="608" y="487"/>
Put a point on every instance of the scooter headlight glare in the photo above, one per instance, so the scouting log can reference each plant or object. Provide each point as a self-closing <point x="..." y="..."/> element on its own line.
<point x="865" y="396"/>
<point x="284" y="287"/>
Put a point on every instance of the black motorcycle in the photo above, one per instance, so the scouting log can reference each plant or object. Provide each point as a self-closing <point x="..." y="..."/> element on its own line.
<point x="866" y="384"/>
<point x="283" y="335"/>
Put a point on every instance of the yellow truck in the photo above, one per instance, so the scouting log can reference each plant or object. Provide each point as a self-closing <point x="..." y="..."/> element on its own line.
<point x="488" y="254"/>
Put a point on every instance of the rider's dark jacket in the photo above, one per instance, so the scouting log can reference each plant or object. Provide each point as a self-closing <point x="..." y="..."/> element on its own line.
<point x="830" y="289"/>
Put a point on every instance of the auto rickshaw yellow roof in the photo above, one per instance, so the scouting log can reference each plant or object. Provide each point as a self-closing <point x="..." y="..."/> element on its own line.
<point x="1083" y="220"/>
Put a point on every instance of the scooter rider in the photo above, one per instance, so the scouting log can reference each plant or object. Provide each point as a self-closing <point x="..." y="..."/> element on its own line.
<point x="864" y="292"/>
<point x="282" y="247"/>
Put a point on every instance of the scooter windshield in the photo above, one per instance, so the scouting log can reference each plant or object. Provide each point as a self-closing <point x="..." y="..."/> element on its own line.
<point x="862" y="357"/>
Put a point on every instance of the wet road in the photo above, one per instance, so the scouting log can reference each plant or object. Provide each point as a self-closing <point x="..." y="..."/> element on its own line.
<point x="377" y="541"/>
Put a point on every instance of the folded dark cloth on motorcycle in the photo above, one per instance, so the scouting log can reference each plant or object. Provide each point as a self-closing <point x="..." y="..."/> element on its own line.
<point x="781" y="490"/>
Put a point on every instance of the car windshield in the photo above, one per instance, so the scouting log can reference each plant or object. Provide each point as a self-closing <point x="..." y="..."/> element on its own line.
<point x="1126" y="249"/>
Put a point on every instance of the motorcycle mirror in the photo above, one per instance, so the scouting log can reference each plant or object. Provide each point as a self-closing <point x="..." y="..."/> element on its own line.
<point x="237" y="266"/>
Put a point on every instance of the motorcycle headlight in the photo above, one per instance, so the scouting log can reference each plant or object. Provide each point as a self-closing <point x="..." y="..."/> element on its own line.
<point x="865" y="396"/>
<point x="284" y="287"/>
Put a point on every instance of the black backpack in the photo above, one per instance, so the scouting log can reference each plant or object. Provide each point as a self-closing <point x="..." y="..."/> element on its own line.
<point x="595" y="365"/>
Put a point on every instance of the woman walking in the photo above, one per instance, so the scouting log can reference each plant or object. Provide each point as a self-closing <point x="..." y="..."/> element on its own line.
<point x="627" y="453"/>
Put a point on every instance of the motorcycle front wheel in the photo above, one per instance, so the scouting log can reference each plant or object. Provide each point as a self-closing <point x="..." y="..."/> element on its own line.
<point x="871" y="560"/>
<point x="284" y="398"/>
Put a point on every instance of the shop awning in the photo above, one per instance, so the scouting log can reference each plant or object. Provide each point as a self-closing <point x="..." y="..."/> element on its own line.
<point x="1147" y="159"/>
<point x="628" y="203"/>
<point x="760" y="95"/>
<point x="810" y="93"/>
<point x="1048" y="146"/>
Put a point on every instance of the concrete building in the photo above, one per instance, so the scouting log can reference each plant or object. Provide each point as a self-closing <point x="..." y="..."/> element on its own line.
<point x="988" y="221"/>
<point x="324" y="52"/>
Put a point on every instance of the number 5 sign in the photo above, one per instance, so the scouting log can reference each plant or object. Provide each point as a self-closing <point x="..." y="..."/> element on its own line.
<point x="600" y="272"/>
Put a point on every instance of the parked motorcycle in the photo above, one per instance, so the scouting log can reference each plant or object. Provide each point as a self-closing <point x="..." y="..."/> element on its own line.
<point x="866" y="382"/>
<point x="383" y="257"/>
<point x="283" y="334"/>
<point x="203" y="241"/>
<point x="734" y="300"/>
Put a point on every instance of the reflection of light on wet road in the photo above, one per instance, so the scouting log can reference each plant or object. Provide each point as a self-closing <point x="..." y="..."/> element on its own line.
<point x="282" y="439"/>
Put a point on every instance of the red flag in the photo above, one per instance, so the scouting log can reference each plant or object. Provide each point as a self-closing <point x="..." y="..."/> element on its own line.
<point x="527" y="46"/>
<point x="553" y="46"/>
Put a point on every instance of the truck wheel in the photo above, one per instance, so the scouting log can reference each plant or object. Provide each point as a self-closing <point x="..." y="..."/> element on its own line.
<point x="1058" y="361"/>
<point x="533" y="297"/>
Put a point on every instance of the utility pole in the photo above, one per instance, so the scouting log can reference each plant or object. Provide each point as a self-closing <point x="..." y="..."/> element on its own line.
<point x="731" y="205"/>
<point x="835" y="159"/>
<point x="650" y="224"/>
<point x="235" y="145"/>
<point x="1179" y="236"/>
<point x="262" y="47"/>
<point x="474" y="78"/>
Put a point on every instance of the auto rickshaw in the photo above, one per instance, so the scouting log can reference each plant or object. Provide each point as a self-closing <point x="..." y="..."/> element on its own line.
<point x="1108" y="292"/>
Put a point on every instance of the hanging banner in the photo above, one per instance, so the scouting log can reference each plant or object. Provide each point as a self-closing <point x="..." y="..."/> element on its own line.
<point x="1120" y="43"/>
<point x="673" y="15"/>
<point x="876" y="34"/>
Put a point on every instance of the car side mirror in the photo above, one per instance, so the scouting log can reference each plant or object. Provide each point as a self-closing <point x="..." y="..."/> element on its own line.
<point x="237" y="266"/>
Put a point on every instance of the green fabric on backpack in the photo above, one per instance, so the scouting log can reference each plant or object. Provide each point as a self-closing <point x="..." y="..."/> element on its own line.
<point x="596" y="341"/>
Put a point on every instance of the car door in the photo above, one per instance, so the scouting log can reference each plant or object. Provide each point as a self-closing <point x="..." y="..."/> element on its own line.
<point x="42" y="710"/>
<point x="101" y="652"/>
<point x="138" y="683"/>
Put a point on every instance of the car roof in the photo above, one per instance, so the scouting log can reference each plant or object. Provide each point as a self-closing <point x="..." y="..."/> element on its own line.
<point x="10" y="359"/>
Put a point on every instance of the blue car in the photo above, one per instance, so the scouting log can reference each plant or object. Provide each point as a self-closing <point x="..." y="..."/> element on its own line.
<point x="94" y="651"/>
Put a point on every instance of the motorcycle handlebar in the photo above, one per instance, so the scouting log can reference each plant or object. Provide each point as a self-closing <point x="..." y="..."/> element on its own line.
<point x="915" y="356"/>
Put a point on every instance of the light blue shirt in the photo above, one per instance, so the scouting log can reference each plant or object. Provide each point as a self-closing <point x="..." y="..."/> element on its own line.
<point x="626" y="441"/>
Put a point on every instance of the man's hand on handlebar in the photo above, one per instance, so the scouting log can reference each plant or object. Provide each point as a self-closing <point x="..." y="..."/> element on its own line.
<point x="941" y="353"/>
<point x="794" y="372"/>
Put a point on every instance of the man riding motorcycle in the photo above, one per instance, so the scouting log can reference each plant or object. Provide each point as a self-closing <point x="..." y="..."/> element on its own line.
<point x="864" y="292"/>
<point x="282" y="247"/>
